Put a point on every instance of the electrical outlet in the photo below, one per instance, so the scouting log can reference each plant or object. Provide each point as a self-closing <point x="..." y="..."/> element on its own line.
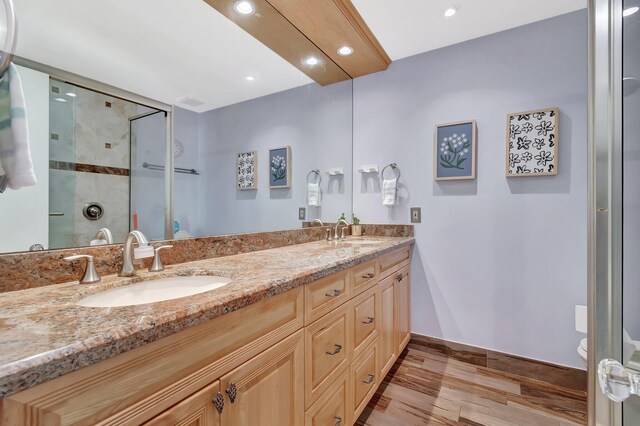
<point x="302" y="213"/>
<point x="416" y="215"/>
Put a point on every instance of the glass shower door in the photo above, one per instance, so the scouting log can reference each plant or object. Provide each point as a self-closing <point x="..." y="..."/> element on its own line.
<point x="148" y="157"/>
<point x="631" y="199"/>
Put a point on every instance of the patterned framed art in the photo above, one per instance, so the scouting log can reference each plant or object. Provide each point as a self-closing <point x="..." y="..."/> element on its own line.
<point x="532" y="143"/>
<point x="247" y="170"/>
<point x="454" y="155"/>
<point x="280" y="167"/>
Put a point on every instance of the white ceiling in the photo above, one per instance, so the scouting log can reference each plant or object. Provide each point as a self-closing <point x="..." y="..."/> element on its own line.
<point x="162" y="49"/>
<point x="169" y="49"/>
<point x="408" y="27"/>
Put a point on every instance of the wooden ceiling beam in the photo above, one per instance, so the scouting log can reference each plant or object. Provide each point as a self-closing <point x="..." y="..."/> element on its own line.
<point x="299" y="29"/>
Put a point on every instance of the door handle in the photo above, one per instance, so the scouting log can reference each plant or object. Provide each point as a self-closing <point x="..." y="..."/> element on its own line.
<point x="617" y="382"/>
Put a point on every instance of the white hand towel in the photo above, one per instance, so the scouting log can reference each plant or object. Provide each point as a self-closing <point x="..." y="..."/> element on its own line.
<point x="313" y="194"/>
<point x="15" y="154"/>
<point x="389" y="188"/>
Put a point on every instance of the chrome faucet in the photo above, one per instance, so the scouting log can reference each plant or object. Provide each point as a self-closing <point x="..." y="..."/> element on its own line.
<point x="317" y="221"/>
<point x="143" y="250"/>
<point x="335" y="235"/>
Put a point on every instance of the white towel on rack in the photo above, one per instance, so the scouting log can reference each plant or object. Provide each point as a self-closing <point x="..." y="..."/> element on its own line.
<point x="15" y="154"/>
<point x="313" y="194"/>
<point x="389" y="189"/>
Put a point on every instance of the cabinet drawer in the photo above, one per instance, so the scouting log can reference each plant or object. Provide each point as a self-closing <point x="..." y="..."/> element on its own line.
<point x="363" y="276"/>
<point x="394" y="261"/>
<point x="331" y="408"/>
<point x="365" y="320"/>
<point x="327" y="351"/>
<point x="322" y="296"/>
<point x="364" y="379"/>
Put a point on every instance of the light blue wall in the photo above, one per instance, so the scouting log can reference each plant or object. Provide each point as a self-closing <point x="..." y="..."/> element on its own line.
<point x="499" y="263"/>
<point x="314" y="121"/>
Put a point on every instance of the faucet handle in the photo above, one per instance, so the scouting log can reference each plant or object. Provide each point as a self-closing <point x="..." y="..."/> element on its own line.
<point x="329" y="235"/>
<point x="156" y="265"/>
<point x="90" y="275"/>
<point x="343" y="233"/>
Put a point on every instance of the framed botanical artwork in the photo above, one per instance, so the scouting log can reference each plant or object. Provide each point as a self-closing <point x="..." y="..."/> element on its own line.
<point x="280" y="167"/>
<point x="532" y="143"/>
<point x="455" y="151"/>
<point x="247" y="170"/>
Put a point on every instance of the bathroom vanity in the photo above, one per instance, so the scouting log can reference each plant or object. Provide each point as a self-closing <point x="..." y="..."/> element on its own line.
<point x="303" y="335"/>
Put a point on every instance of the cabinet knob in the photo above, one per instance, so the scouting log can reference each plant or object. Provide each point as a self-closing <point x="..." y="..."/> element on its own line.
<point x="369" y="275"/>
<point x="369" y="380"/>
<point x="337" y="350"/>
<point x="399" y="277"/>
<point x="218" y="401"/>
<point x="334" y="293"/>
<point x="338" y="420"/>
<point x="369" y="320"/>
<point x="232" y="391"/>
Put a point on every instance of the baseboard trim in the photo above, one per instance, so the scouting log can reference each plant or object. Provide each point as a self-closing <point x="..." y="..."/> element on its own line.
<point x="558" y="375"/>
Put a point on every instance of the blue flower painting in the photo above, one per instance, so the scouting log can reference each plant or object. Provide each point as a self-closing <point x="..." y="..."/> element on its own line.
<point x="280" y="167"/>
<point x="455" y="151"/>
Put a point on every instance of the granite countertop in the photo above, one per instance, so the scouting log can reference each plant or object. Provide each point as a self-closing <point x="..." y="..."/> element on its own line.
<point x="44" y="334"/>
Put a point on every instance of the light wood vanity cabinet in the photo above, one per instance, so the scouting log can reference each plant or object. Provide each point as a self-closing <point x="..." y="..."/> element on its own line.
<point x="314" y="355"/>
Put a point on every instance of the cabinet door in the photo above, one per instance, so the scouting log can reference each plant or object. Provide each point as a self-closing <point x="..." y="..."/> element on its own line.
<point x="197" y="410"/>
<point x="402" y="290"/>
<point x="386" y="337"/>
<point x="267" y="390"/>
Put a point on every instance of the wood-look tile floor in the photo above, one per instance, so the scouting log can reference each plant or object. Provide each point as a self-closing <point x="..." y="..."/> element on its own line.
<point x="427" y="387"/>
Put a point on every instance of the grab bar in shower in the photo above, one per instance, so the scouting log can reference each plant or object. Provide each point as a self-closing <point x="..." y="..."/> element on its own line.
<point x="6" y="54"/>
<point x="177" y="169"/>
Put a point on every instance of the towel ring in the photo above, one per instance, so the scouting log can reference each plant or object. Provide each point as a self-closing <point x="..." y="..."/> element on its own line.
<point x="315" y="172"/>
<point x="6" y="54"/>
<point x="393" y="166"/>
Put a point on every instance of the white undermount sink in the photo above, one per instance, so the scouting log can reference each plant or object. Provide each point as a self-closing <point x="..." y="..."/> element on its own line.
<point x="154" y="291"/>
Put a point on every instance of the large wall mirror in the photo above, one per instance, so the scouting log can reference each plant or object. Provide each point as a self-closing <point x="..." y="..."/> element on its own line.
<point x="176" y="123"/>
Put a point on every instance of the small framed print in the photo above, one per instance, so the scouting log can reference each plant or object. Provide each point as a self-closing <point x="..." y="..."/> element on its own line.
<point x="532" y="143"/>
<point x="247" y="170"/>
<point x="455" y="151"/>
<point x="280" y="167"/>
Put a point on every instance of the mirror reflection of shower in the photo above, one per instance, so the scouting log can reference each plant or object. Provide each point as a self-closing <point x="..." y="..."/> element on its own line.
<point x="90" y="164"/>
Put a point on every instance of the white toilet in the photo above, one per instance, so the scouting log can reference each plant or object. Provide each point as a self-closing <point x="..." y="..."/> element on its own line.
<point x="582" y="351"/>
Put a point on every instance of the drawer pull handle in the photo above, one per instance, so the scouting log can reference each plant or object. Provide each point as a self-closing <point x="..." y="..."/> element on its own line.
<point x="338" y="420"/>
<point x="369" y="275"/>
<point x="369" y="320"/>
<point x="399" y="277"/>
<point x="232" y="391"/>
<point x="218" y="401"/>
<point x="335" y="351"/>
<point x="369" y="380"/>
<point x="334" y="293"/>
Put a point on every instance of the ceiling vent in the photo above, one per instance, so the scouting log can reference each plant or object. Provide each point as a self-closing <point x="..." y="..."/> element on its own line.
<point x="191" y="101"/>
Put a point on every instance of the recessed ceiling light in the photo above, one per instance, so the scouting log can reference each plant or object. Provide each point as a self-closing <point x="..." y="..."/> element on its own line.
<point x="60" y="100"/>
<point x="250" y="78"/>
<point x="312" y="60"/>
<point x="71" y="94"/>
<point x="630" y="11"/>
<point x="451" y="10"/>
<point x="345" y="51"/>
<point x="244" y="7"/>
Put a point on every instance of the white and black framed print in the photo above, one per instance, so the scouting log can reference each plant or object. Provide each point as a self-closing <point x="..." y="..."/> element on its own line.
<point x="532" y="143"/>
<point x="247" y="168"/>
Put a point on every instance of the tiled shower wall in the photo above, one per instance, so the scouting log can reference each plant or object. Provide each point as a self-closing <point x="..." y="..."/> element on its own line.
<point x="88" y="132"/>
